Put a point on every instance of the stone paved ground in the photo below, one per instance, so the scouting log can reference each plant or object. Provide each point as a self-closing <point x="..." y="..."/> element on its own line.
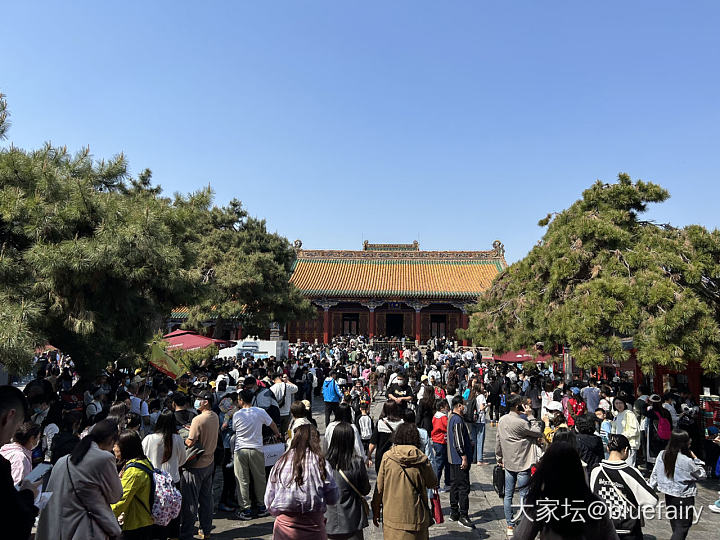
<point x="485" y="508"/>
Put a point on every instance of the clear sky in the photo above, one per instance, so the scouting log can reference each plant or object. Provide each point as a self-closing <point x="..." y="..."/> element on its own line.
<point x="453" y="122"/>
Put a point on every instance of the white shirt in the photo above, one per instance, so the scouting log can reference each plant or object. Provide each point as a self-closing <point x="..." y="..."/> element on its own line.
<point x="247" y="425"/>
<point x="289" y="390"/>
<point x="358" y="449"/>
<point x="673" y="414"/>
<point x="154" y="448"/>
<point x="138" y="406"/>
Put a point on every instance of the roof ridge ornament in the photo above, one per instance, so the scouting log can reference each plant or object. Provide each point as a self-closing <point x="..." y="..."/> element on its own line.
<point x="498" y="249"/>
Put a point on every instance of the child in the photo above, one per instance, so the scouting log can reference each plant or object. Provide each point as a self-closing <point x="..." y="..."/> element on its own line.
<point x="605" y="427"/>
<point x="365" y="426"/>
<point x="439" y="440"/>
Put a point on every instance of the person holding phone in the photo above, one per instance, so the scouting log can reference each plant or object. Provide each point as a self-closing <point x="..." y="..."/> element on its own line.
<point x="517" y="435"/>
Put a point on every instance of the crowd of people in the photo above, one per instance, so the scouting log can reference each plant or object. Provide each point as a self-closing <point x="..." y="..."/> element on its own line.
<point x="136" y="454"/>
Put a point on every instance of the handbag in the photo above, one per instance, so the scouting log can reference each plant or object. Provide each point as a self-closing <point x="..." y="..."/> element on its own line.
<point x="436" y="507"/>
<point x="363" y="501"/>
<point x="499" y="481"/>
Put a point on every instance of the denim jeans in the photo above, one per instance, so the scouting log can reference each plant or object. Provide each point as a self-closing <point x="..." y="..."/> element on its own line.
<point x="514" y="480"/>
<point x="441" y="462"/>
<point x="477" y="433"/>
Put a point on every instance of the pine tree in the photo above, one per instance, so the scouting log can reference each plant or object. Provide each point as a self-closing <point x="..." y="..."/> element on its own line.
<point x="601" y="274"/>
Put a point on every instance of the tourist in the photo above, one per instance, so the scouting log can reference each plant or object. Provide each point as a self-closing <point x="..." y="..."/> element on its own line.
<point x="623" y="489"/>
<point x="300" y="487"/>
<point x="560" y="477"/>
<point x="385" y="428"/>
<point x="165" y="449"/>
<point x="17" y="511"/>
<point x="405" y="475"/>
<point x="676" y="471"/>
<point x="284" y="392"/>
<point x="133" y="510"/>
<point x="439" y="440"/>
<point x="478" y="402"/>
<point x="575" y="406"/>
<point x="343" y="414"/>
<point x="366" y="426"/>
<point x="249" y="461"/>
<point x="196" y="483"/>
<point x="332" y="396"/>
<point x="19" y="452"/>
<point x="626" y="423"/>
<point x="515" y="451"/>
<point x="67" y="438"/>
<point x="49" y="428"/>
<point x="347" y="518"/>
<point x="399" y="392"/>
<point x="590" y="446"/>
<point x="591" y="394"/>
<point x="460" y="454"/>
<point x="84" y="485"/>
<point x="554" y="420"/>
<point x="300" y="415"/>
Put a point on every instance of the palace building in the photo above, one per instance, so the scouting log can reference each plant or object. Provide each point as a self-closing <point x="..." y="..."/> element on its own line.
<point x="391" y="290"/>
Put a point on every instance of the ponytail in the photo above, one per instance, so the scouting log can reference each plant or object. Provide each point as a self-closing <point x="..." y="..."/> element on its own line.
<point x="101" y="432"/>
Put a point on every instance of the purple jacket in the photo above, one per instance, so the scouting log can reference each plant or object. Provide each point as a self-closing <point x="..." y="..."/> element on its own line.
<point x="283" y="495"/>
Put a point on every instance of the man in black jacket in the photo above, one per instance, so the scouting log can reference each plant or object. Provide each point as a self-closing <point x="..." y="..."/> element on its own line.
<point x="17" y="512"/>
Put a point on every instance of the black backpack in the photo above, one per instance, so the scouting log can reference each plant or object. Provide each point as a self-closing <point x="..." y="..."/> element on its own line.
<point x="471" y="413"/>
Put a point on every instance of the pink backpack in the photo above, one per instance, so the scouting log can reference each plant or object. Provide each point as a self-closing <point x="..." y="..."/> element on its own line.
<point x="165" y="498"/>
<point x="664" y="429"/>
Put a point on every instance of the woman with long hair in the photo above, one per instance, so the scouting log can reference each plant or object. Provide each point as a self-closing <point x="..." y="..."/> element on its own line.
<point x="347" y="518"/>
<point x="560" y="476"/>
<point x="300" y="487"/>
<point x="165" y="449"/>
<point x="626" y="423"/>
<point x="133" y="508"/>
<point x="676" y="471"/>
<point x="477" y="426"/>
<point x="343" y="414"/>
<point x="381" y="440"/>
<point x="426" y="408"/>
<point x="404" y="477"/>
<point x="84" y="484"/>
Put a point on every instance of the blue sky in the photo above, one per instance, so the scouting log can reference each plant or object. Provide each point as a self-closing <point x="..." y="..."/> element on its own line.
<point x="453" y="123"/>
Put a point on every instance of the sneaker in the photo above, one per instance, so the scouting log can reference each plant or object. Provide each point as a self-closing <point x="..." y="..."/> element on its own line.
<point x="510" y="531"/>
<point x="262" y="512"/>
<point x="714" y="508"/>
<point x="245" y="515"/>
<point x="454" y="517"/>
<point x="202" y="535"/>
<point x="225" y="508"/>
<point x="465" y="522"/>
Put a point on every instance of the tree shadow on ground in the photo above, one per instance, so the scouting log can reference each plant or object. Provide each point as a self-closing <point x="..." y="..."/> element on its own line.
<point x="243" y="530"/>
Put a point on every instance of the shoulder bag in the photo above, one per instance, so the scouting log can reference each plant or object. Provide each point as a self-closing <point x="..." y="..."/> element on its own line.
<point x="363" y="501"/>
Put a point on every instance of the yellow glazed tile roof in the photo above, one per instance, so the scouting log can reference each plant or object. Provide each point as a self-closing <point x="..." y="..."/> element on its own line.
<point x="428" y="274"/>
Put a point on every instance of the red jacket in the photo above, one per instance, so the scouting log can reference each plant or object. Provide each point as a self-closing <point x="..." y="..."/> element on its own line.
<point x="439" y="428"/>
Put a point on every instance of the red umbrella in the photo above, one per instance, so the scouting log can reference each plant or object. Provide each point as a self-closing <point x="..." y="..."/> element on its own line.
<point x="522" y="356"/>
<point x="183" y="339"/>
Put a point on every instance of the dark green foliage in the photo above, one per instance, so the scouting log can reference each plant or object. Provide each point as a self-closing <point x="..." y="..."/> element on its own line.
<point x="93" y="261"/>
<point x="600" y="274"/>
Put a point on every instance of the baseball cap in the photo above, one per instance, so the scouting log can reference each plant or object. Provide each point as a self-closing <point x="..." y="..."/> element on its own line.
<point x="554" y="406"/>
<point x="575" y="390"/>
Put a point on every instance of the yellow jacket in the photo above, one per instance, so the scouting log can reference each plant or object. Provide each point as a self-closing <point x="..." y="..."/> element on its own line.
<point x="135" y="500"/>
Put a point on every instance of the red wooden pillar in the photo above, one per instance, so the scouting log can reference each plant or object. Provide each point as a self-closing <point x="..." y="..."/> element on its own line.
<point x="417" y="325"/>
<point x="464" y="321"/>
<point x="326" y="325"/>
<point x="371" y="326"/>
